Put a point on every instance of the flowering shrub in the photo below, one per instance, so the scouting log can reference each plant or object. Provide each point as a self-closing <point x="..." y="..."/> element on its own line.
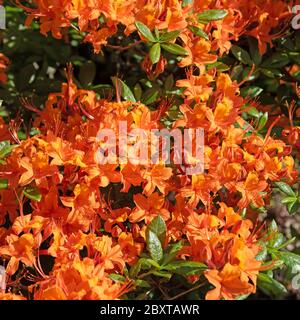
<point x="74" y="228"/>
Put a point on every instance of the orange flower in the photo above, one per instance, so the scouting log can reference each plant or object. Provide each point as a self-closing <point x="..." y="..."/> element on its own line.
<point x="230" y="283"/>
<point x="198" y="54"/>
<point x="19" y="249"/>
<point x="156" y="176"/>
<point x="83" y="206"/>
<point x="148" y="208"/>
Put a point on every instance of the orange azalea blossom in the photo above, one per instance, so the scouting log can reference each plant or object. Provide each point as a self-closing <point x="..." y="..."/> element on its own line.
<point x="225" y="243"/>
<point x="19" y="249"/>
<point x="11" y="296"/>
<point x="147" y="209"/>
<point x="255" y="18"/>
<point x="75" y="206"/>
<point x="78" y="280"/>
<point x="4" y="61"/>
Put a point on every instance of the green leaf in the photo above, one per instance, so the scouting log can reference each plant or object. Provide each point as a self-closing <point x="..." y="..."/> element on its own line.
<point x="242" y="297"/>
<point x="251" y="92"/>
<point x="254" y="51"/>
<point x="168" y="36"/>
<point x="289" y="200"/>
<point x="32" y="193"/>
<point x="262" y="121"/>
<point x="220" y="66"/>
<point x="276" y="60"/>
<point x="172" y="252"/>
<point x="186" y="268"/>
<point x="273" y="227"/>
<point x="5" y="148"/>
<point x="199" y="32"/>
<point x="138" y="91"/>
<point x="142" y="283"/>
<point x="253" y="112"/>
<point x="286" y="243"/>
<point x="158" y="226"/>
<point x="156" y="33"/>
<point x="236" y="73"/>
<point x="212" y="15"/>
<point x="285" y="188"/>
<point x="3" y="184"/>
<point x="169" y="82"/>
<point x="150" y="96"/>
<point x="241" y="54"/>
<point x="290" y="259"/>
<point x="154" y="246"/>
<point x="145" y="31"/>
<point x="277" y="240"/>
<point x="174" y="49"/>
<point x="162" y="274"/>
<point x="143" y="263"/>
<point x="155" y="53"/>
<point x="125" y="90"/>
<point x="117" y="277"/>
<point x="87" y="73"/>
<point x="292" y="207"/>
<point x="270" y="286"/>
<point x="263" y="253"/>
<point x="271" y="73"/>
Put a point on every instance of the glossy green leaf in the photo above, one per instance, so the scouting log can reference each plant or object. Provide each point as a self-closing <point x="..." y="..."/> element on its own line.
<point x="142" y="263"/>
<point x="158" y="226"/>
<point x="241" y="54"/>
<point x="154" y="246"/>
<point x="212" y="15"/>
<point x="251" y="92"/>
<point x="186" y="268"/>
<point x="117" y="277"/>
<point x="285" y="188"/>
<point x="5" y="148"/>
<point x="155" y="53"/>
<point x="142" y="283"/>
<point x="262" y="121"/>
<point x="162" y="274"/>
<point x="270" y="286"/>
<point x="254" y="51"/>
<point x="220" y="66"/>
<point x="125" y="90"/>
<point x="172" y="252"/>
<point x="168" y="36"/>
<point x="145" y="31"/>
<point x="290" y="259"/>
<point x="199" y="32"/>
<point x="150" y="96"/>
<point x="174" y="49"/>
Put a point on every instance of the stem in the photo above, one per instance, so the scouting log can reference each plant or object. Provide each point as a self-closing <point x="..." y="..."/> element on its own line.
<point x="124" y="48"/>
<point x="187" y="291"/>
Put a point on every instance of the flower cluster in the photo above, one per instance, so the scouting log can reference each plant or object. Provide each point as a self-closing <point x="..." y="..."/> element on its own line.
<point x="74" y="228"/>
<point x="73" y="217"/>
<point x="100" y="20"/>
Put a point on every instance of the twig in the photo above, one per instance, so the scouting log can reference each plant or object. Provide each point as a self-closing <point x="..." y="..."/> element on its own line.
<point x="123" y="48"/>
<point x="187" y="291"/>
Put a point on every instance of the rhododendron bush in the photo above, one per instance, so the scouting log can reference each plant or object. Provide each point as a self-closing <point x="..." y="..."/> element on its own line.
<point x="72" y="227"/>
